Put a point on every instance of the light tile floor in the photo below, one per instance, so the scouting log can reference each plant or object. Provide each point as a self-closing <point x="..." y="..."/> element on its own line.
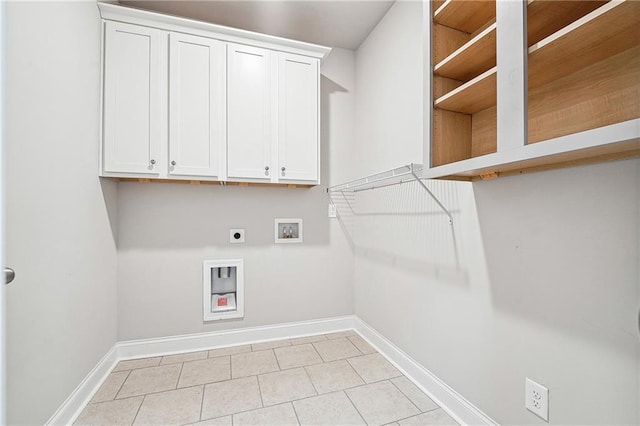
<point x="333" y="379"/>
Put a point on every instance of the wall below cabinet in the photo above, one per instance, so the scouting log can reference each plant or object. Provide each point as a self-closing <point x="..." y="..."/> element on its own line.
<point x="160" y="255"/>
<point x="241" y="107"/>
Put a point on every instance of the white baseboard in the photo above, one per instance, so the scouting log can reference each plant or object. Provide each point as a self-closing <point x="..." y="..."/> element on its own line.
<point x="451" y="401"/>
<point x="80" y="397"/>
<point x="241" y="336"/>
<point x="459" y="408"/>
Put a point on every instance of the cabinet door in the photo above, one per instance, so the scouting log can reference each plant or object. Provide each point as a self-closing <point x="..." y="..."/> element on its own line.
<point x="133" y="75"/>
<point x="197" y="70"/>
<point x="249" y="99"/>
<point x="298" y="130"/>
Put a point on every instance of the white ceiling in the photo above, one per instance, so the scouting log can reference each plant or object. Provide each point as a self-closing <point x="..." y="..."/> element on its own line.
<point x="341" y="23"/>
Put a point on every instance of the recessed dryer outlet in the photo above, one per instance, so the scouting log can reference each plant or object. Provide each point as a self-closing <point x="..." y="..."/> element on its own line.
<point x="223" y="289"/>
<point x="236" y="236"/>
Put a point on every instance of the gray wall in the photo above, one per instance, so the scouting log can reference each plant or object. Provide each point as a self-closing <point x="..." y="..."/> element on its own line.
<point x="548" y="285"/>
<point x="167" y="230"/>
<point x="61" y="309"/>
<point x="389" y="92"/>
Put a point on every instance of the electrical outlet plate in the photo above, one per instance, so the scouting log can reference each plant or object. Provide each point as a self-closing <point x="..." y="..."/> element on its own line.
<point x="333" y="212"/>
<point x="236" y="236"/>
<point x="536" y="399"/>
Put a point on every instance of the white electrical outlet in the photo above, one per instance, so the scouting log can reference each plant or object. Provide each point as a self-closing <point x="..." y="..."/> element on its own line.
<point x="236" y="236"/>
<point x="536" y="399"/>
<point x="333" y="212"/>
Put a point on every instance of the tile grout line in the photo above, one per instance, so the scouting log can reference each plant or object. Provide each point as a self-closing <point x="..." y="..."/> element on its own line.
<point x="119" y="389"/>
<point x="405" y="395"/>
<point x="295" y="412"/>
<point x="354" y="406"/>
<point x="202" y="400"/>
<point x="230" y="366"/>
<point x="179" y="375"/>
<point x="316" y="349"/>
<point x="116" y="400"/>
<point x="317" y="353"/>
<point x="154" y="393"/>
<point x="138" y="410"/>
<point x="310" y="381"/>
<point x="259" y="390"/>
<point x="361" y="378"/>
<point x="136" y="368"/>
<point x="417" y="415"/>
<point x="276" y="357"/>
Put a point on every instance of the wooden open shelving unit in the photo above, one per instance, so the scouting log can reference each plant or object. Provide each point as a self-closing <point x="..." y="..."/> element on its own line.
<point x="586" y="74"/>
<point x="582" y="91"/>
<point x="464" y="80"/>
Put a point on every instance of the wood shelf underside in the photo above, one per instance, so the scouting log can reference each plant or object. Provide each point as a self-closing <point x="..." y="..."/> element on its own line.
<point x="210" y="182"/>
<point x="464" y="15"/>
<point x="607" y="31"/>
<point x="610" y="152"/>
<point x="472" y="59"/>
<point x="545" y="17"/>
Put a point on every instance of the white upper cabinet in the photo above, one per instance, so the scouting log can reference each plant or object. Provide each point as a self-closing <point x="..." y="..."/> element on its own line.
<point x="189" y="100"/>
<point x="249" y="119"/>
<point x="298" y="131"/>
<point x="197" y="104"/>
<point x="133" y="87"/>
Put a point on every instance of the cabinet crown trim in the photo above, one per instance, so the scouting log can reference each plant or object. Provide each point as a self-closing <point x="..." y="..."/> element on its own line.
<point x="166" y="22"/>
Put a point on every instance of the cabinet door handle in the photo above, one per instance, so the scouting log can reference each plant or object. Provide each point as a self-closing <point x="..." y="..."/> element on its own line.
<point x="266" y="170"/>
<point x="173" y="163"/>
<point x="152" y="161"/>
<point x="9" y="275"/>
<point x="283" y="170"/>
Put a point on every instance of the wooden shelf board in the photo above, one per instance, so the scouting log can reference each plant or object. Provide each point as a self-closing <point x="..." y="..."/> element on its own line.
<point x="443" y="85"/>
<point x="465" y="15"/>
<point x="436" y="5"/>
<point x="601" y="94"/>
<point x="473" y="96"/>
<point x="545" y="17"/>
<point x="605" y="32"/>
<point x="446" y="41"/>
<point x="472" y="59"/>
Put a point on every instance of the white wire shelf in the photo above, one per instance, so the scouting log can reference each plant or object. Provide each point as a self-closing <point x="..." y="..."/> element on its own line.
<point x="396" y="176"/>
<point x="409" y="173"/>
<point x="404" y="174"/>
